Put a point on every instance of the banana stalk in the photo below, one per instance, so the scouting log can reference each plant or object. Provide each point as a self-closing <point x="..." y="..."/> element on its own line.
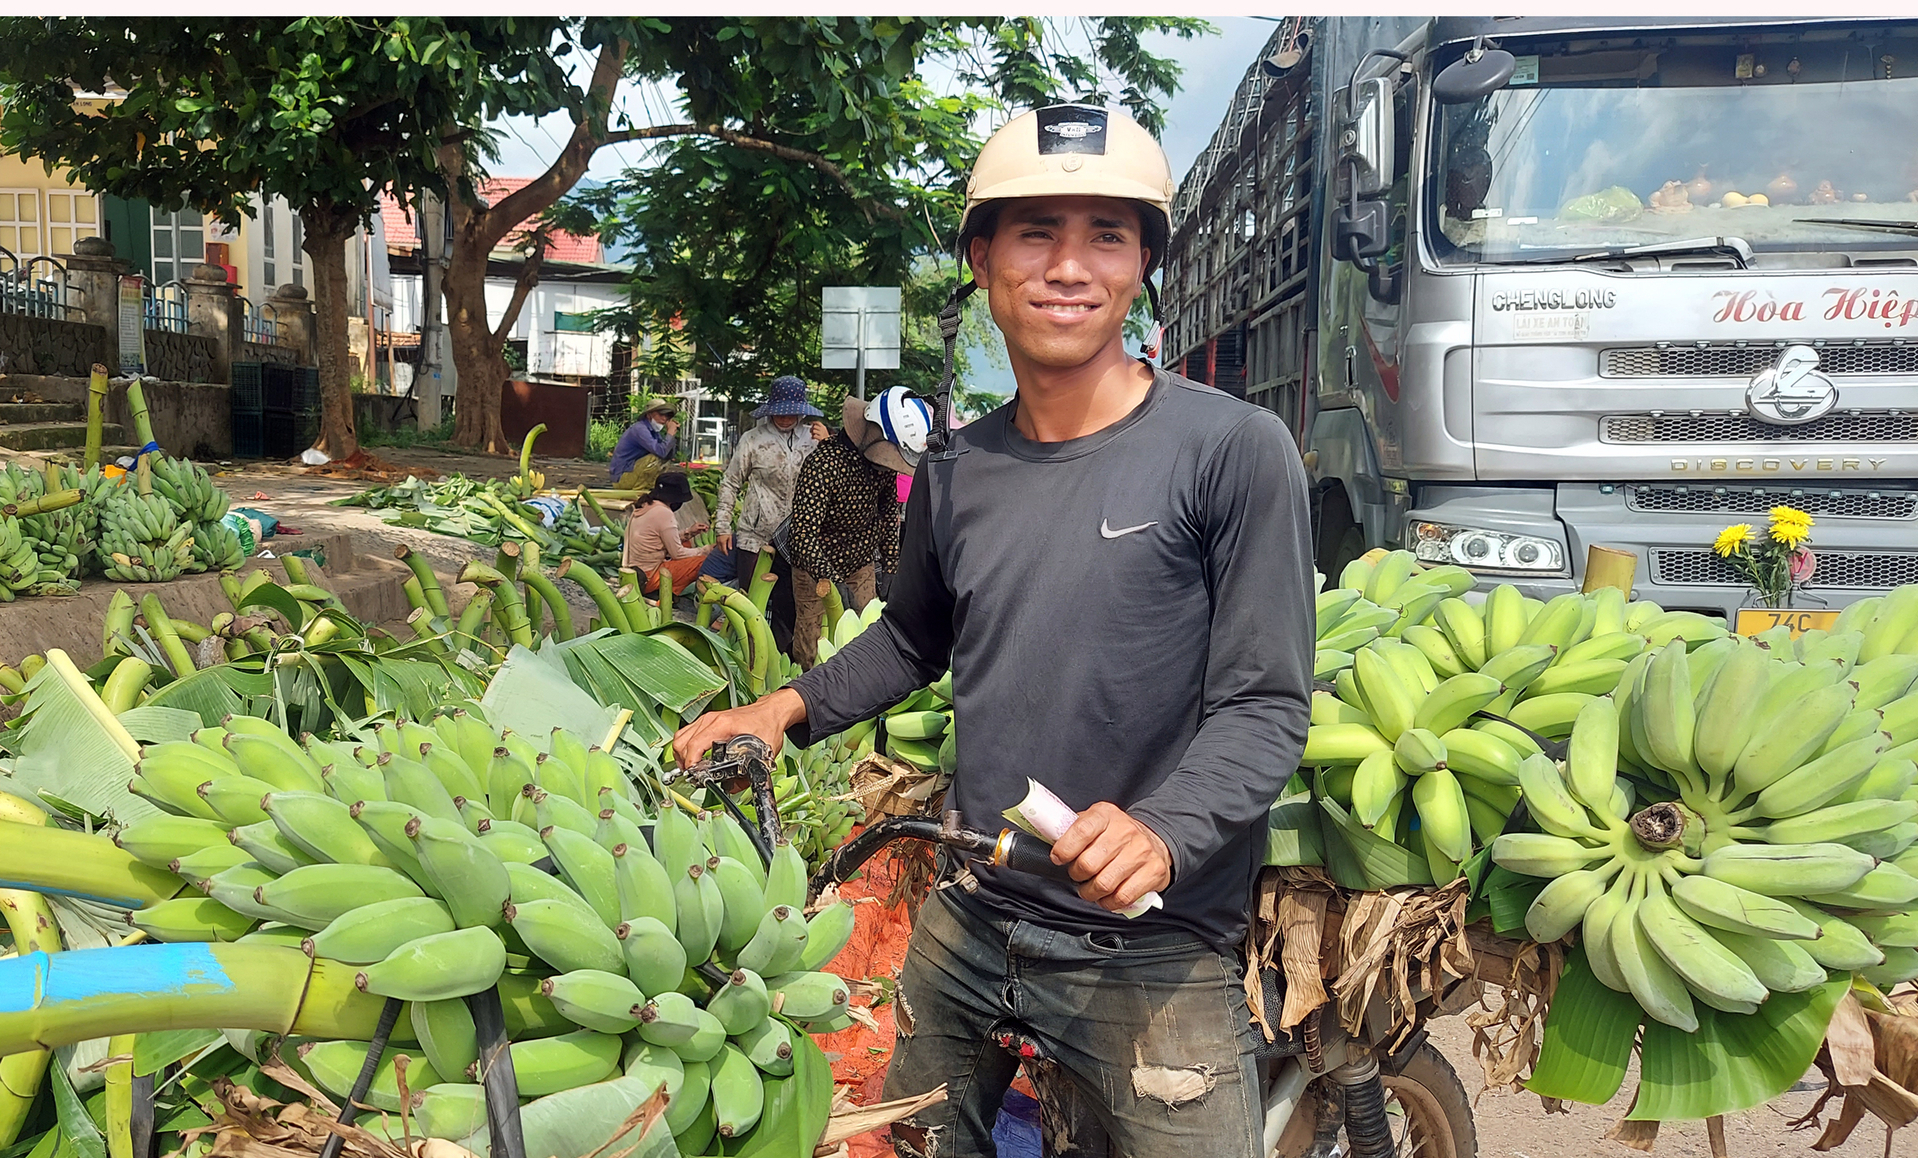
<point x="835" y="606"/>
<point x="96" y="407"/>
<point x="142" y="425"/>
<point x="295" y="570"/>
<point x="119" y="1100"/>
<point x="524" y="480"/>
<point x="124" y="685"/>
<point x="189" y="631"/>
<point x="761" y="586"/>
<point x="762" y="638"/>
<point x="506" y="559"/>
<point x="514" y="519"/>
<point x="67" y="863"/>
<point x="610" y="611"/>
<point x="43" y="504"/>
<point x="529" y="566"/>
<point x="505" y="597"/>
<point x="539" y="584"/>
<point x="11" y="680"/>
<point x="31" y="920"/>
<point x="117" y="624"/>
<point x="592" y="504"/>
<point x="415" y="597"/>
<point x="177" y="656"/>
<point x="47" y="1001"/>
<point x="666" y="595"/>
<point x="473" y="615"/>
<point x="429" y="582"/>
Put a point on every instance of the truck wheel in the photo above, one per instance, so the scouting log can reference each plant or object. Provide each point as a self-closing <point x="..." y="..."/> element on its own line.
<point x="1431" y="1116"/>
<point x="1341" y="539"/>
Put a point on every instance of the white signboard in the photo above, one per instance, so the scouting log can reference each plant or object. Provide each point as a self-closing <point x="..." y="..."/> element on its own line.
<point x="132" y="325"/>
<point x="860" y="328"/>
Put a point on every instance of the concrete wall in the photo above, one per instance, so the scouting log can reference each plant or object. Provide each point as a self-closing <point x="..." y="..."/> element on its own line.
<point x="180" y="357"/>
<point x="53" y="346"/>
<point x="260" y="352"/>
<point x="189" y="418"/>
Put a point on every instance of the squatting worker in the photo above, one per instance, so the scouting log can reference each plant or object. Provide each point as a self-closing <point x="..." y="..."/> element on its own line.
<point x="1116" y="565"/>
<point x="654" y="436"/>
<point x="763" y="469"/>
<point x="845" y="516"/>
<point x="654" y="542"/>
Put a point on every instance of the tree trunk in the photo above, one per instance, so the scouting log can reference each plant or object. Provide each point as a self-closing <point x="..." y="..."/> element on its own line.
<point x="328" y="229"/>
<point x="479" y="356"/>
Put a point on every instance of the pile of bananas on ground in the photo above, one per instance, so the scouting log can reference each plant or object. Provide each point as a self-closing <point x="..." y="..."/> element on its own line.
<point x="665" y="947"/>
<point x="1437" y="705"/>
<point x="201" y="505"/>
<point x="1780" y="843"/>
<point x="142" y="539"/>
<point x="60" y="532"/>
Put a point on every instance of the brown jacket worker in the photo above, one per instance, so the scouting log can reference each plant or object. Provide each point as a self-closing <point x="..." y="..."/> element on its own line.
<point x="1117" y="566"/>
<point x="759" y="477"/>
<point x="845" y="514"/>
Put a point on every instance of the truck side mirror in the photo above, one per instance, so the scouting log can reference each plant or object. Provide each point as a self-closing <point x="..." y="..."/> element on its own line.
<point x="1361" y="231"/>
<point x="1366" y="135"/>
<point x="1478" y="74"/>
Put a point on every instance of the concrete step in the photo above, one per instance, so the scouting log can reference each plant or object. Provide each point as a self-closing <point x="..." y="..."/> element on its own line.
<point x="21" y="413"/>
<point x="56" y="435"/>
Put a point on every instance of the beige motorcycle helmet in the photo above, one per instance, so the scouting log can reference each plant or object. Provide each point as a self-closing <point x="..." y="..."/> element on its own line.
<point x="1072" y="151"/>
<point x="1069" y="150"/>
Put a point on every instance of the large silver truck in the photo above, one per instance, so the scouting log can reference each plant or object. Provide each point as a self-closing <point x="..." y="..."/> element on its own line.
<point x="1525" y="285"/>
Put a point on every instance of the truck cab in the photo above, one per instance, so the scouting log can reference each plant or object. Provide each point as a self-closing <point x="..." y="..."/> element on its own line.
<point x="1563" y="282"/>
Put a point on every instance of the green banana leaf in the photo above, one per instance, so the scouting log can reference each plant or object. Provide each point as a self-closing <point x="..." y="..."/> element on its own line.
<point x="1294" y="830"/>
<point x="533" y="693"/>
<point x="1384" y="863"/>
<point x="153" y="1051"/>
<point x="154" y="724"/>
<point x="81" y="1131"/>
<point x="1507" y="896"/>
<point x="215" y="693"/>
<point x="657" y="668"/>
<point x="1589" y="1034"/>
<point x="274" y="597"/>
<point x="1734" y="1061"/>
<point x="63" y="748"/>
<point x="594" y="673"/>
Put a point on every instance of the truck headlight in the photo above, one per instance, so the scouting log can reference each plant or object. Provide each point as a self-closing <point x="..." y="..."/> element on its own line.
<point x="1482" y="550"/>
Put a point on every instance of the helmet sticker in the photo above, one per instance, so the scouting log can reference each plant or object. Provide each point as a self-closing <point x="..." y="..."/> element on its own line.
<point x="1072" y="129"/>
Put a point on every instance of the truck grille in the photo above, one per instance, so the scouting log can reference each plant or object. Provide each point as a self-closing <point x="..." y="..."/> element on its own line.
<point x="1745" y="361"/>
<point x="1870" y="426"/>
<point x="1875" y="569"/>
<point x="1753" y="501"/>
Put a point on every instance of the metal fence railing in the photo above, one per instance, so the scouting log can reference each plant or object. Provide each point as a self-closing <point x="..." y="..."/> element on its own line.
<point x="256" y="326"/>
<point x="34" y="286"/>
<point x="164" y="307"/>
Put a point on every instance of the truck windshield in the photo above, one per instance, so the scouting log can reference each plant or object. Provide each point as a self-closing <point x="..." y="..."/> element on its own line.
<point x="1593" y="146"/>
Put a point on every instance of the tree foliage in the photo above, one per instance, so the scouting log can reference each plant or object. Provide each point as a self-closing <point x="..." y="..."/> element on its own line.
<point x="733" y="245"/>
<point x="327" y="112"/>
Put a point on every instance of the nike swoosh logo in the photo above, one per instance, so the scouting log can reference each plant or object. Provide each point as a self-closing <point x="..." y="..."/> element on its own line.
<point x="1105" y="528"/>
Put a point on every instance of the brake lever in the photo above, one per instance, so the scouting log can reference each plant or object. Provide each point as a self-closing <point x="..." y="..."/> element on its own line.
<point x="745" y="762"/>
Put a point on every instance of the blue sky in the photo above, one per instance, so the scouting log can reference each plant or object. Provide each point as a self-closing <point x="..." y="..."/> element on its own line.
<point x="1212" y="64"/>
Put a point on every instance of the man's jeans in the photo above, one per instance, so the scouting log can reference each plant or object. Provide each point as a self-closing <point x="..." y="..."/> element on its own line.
<point x="1152" y="1029"/>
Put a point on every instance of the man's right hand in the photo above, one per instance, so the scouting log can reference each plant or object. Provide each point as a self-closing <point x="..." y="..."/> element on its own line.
<point x="725" y="542"/>
<point x="767" y="718"/>
<point x="672" y="426"/>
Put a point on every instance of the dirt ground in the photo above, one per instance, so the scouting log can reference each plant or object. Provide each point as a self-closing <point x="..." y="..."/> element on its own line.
<point x="1516" y="1125"/>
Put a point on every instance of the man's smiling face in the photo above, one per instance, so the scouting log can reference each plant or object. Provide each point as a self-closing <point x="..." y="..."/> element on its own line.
<point x="1061" y="274"/>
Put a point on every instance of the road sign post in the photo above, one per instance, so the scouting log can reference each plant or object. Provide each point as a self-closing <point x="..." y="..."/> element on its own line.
<point x="859" y="330"/>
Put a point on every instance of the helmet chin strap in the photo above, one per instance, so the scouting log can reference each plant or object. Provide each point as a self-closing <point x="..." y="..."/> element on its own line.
<point x="938" y="440"/>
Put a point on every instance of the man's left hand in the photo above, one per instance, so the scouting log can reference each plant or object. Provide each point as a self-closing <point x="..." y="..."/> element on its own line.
<point x="1115" y="858"/>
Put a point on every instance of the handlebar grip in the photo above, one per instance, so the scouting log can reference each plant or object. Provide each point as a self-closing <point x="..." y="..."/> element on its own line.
<point x="1026" y="853"/>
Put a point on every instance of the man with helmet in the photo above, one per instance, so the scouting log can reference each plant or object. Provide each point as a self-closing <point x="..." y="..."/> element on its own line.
<point x="1116" y="565"/>
<point x="845" y="513"/>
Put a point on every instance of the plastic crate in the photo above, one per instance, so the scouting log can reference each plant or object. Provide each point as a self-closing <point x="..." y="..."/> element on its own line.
<point x="249" y="435"/>
<point x="284" y="437"/>
<point x="278" y="384"/>
<point x="247" y="397"/>
<point x="306" y="391"/>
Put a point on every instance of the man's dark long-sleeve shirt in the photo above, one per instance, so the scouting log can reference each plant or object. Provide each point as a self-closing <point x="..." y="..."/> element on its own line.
<point x="1128" y="617"/>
